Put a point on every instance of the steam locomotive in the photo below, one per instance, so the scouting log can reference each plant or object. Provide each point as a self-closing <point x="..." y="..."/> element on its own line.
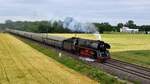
<point x="94" y="49"/>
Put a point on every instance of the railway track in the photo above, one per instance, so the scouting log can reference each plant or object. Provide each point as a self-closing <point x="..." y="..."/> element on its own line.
<point x="130" y="66"/>
<point x="141" y="73"/>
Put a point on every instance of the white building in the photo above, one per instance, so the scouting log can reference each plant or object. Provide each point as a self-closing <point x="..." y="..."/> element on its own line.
<point x="148" y="32"/>
<point x="128" y="30"/>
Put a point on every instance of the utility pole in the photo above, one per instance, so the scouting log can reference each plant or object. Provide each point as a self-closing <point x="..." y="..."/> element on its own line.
<point x="47" y="33"/>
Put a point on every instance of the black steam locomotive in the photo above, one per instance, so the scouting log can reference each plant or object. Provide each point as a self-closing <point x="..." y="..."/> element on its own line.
<point x="94" y="49"/>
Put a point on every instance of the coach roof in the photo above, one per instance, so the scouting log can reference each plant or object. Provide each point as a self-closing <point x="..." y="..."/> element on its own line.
<point x="57" y="38"/>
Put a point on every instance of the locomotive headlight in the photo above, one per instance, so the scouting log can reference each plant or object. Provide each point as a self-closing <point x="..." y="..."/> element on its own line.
<point x="101" y="46"/>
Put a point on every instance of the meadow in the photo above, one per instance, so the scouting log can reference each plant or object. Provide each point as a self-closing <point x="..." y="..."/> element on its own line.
<point x="22" y="64"/>
<point x="132" y="48"/>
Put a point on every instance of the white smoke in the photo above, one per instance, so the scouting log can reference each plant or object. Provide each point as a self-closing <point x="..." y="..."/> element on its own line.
<point x="75" y="26"/>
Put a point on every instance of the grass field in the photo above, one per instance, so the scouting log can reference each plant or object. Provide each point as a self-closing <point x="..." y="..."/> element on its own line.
<point x="22" y="64"/>
<point x="133" y="48"/>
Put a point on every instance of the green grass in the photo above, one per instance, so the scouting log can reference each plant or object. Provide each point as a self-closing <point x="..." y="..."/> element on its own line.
<point x="76" y="65"/>
<point x="132" y="48"/>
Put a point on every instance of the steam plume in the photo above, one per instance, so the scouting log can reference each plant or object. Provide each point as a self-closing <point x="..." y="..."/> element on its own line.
<point x="75" y="26"/>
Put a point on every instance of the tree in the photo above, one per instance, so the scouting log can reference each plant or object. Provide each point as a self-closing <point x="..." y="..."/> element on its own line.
<point x="145" y="28"/>
<point x="8" y="21"/>
<point x="120" y="25"/>
<point x="131" y="24"/>
<point x="104" y="27"/>
<point x="9" y="24"/>
<point x="43" y="28"/>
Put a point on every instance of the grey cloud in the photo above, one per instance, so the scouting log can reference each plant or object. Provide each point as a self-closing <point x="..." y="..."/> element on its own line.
<point x="112" y="11"/>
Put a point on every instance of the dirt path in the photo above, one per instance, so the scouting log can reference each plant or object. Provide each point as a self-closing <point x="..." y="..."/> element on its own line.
<point x="21" y="64"/>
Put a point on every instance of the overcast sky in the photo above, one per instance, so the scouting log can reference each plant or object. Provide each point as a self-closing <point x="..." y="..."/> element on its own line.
<point x="112" y="11"/>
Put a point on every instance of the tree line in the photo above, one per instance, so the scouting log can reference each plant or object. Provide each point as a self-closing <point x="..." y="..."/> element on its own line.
<point x="35" y="26"/>
<point x="57" y="26"/>
<point x="103" y="27"/>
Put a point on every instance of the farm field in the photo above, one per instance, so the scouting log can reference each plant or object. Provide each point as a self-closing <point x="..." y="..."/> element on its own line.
<point x="22" y="64"/>
<point x="132" y="48"/>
